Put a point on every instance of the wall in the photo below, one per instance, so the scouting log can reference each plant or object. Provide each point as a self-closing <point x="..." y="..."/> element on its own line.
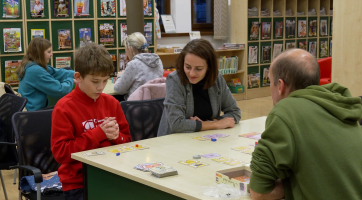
<point x="347" y="42"/>
<point x="181" y="14"/>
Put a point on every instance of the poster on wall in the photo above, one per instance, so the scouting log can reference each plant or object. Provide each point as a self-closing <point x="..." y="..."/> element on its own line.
<point x="122" y="8"/>
<point x="81" y="8"/>
<point x="122" y="61"/>
<point x="277" y="50"/>
<point x="313" y="48"/>
<point x="10" y="8"/>
<point x="64" y="41"/>
<point x="123" y="32"/>
<point x="61" y="62"/>
<point x="11" y="76"/>
<point x="12" y="39"/>
<point x="37" y="8"/>
<point x="85" y="36"/>
<point x="61" y="8"/>
<point x="148" y="32"/>
<point x="302" y="28"/>
<point x="108" y="8"/>
<point x="312" y="28"/>
<point x="147" y="7"/>
<point x="106" y="34"/>
<point x="253" y="54"/>
<point x="37" y="33"/>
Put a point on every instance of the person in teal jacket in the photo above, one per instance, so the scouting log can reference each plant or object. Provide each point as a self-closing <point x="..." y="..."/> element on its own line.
<point x="39" y="80"/>
<point x="311" y="147"/>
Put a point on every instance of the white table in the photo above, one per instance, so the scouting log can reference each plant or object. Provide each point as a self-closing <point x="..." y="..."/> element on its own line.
<point x="114" y="177"/>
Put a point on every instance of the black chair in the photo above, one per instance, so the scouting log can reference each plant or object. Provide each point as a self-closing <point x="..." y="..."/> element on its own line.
<point x="9" y="104"/>
<point x="360" y="121"/>
<point x="143" y="117"/>
<point x="33" y="130"/>
<point x="8" y="89"/>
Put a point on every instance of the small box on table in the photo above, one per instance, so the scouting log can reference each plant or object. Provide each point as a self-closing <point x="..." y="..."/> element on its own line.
<point x="238" y="177"/>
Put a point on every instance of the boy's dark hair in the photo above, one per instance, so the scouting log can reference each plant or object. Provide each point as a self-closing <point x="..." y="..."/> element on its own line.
<point x="296" y="73"/>
<point x="93" y="59"/>
<point x="203" y="49"/>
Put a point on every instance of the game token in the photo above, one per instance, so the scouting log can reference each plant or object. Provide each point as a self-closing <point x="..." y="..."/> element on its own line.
<point x="136" y="145"/>
<point x="197" y="157"/>
<point x="213" y="139"/>
<point x="117" y="154"/>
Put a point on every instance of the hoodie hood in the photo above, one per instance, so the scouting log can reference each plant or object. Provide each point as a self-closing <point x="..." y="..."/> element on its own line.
<point x="29" y="64"/>
<point x="150" y="59"/>
<point x="334" y="98"/>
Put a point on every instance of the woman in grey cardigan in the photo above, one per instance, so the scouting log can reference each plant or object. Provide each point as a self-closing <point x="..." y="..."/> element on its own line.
<point x="196" y="93"/>
<point x="141" y="68"/>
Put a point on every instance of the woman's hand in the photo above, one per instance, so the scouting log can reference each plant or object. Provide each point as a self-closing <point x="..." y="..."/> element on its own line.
<point x="227" y="122"/>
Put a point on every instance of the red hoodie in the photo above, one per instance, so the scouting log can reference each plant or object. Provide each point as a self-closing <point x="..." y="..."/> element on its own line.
<point x="75" y="128"/>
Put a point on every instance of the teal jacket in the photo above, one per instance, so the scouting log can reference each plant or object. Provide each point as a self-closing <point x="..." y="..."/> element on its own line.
<point x="313" y="142"/>
<point x="37" y="84"/>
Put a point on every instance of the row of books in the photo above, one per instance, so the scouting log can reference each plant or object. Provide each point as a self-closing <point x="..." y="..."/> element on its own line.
<point x="228" y="65"/>
<point x="304" y="29"/>
<point x="11" y="66"/>
<point x="62" y="9"/>
<point x="267" y="52"/>
<point x="12" y="36"/>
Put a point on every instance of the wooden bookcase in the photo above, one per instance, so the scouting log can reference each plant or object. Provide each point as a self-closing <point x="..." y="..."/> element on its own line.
<point x="51" y="25"/>
<point x="240" y="24"/>
<point x="169" y="60"/>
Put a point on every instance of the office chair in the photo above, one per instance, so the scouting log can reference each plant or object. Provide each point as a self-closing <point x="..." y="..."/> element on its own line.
<point x="9" y="104"/>
<point x="143" y="117"/>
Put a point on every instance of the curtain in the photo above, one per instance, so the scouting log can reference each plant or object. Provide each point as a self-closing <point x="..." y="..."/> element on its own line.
<point x="221" y="19"/>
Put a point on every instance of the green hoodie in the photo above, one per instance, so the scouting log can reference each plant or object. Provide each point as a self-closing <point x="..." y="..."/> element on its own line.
<point x="313" y="142"/>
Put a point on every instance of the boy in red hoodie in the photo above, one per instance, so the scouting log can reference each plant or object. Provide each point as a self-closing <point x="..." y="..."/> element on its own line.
<point x="86" y="118"/>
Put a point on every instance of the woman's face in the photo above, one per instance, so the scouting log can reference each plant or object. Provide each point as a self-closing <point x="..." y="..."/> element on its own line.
<point x="48" y="54"/>
<point x="195" y="68"/>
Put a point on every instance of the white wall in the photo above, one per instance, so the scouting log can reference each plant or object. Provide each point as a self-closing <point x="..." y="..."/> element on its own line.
<point x="181" y="14"/>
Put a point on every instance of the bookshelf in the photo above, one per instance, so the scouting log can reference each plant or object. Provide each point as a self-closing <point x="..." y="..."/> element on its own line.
<point x="51" y="25"/>
<point x="241" y="25"/>
<point x="169" y="60"/>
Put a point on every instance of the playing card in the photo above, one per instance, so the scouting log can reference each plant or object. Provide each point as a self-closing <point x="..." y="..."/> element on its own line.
<point x="256" y="137"/>
<point x="211" y="155"/>
<point x="233" y="162"/>
<point x="188" y="162"/>
<point x="242" y="148"/>
<point x="221" y="159"/>
<point x="140" y="147"/>
<point x="208" y="136"/>
<point x="198" y="164"/>
<point x="119" y="150"/>
<point x="200" y="138"/>
<point x="248" y="151"/>
<point x="219" y="135"/>
<point x="94" y="153"/>
<point x="126" y="148"/>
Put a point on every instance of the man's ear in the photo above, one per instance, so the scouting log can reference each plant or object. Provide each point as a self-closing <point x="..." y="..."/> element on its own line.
<point x="77" y="77"/>
<point x="282" y="88"/>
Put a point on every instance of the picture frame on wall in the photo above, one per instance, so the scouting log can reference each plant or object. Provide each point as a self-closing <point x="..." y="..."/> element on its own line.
<point x="106" y="34"/>
<point x="289" y="45"/>
<point x="81" y="8"/>
<point x="302" y="28"/>
<point x="61" y="8"/>
<point x="312" y="28"/>
<point x="302" y="45"/>
<point x="278" y="30"/>
<point x="277" y="50"/>
<point x="64" y="39"/>
<point x="108" y="8"/>
<point x="290" y="29"/>
<point x="253" y="54"/>
<point x="313" y="48"/>
<point x="11" y="8"/>
<point x="323" y="51"/>
<point x="266" y="54"/>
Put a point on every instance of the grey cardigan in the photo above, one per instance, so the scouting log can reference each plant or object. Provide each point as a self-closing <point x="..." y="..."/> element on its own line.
<point x="179" y="105"/>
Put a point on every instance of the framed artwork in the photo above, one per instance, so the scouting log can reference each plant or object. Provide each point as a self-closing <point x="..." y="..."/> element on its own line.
<point x="266" y="32"/>
<point x="302" y="28"/>
<point x="254" y="31"/>
<point x="323" y="27"/>
<point x="312" y="28"/>
<point x="313" y="48"/>
<point x="61" y="8"/>
<point x="290" y="29"/>
<point x="278" y="30"/>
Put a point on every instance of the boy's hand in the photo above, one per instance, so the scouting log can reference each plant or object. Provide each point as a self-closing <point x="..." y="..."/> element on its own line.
<point x="110" y="128"/>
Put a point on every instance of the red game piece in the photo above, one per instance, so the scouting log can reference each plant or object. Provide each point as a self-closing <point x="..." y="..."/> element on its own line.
<point x="136" y="145"/>
<point x="256" y="143"/>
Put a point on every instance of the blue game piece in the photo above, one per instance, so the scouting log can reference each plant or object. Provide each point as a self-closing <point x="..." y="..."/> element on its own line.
<point x="117" y="154"/>
<point x="213" y="139"/>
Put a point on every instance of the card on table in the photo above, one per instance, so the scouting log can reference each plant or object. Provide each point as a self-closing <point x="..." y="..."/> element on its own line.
<point x="221" y="159"/>
<point x="198" y="164"/>
<point x="188" y="162"/>
<point x="242" y="148"/>
<point x="126" y="148"/>
<point x="233" y="162"/>
<point x="211" y="155"/>
<point x="140" y="147"/>
<point x="119" y="150"/>
<point x="200" y="138"/>
<point x="94" y="153"/>
<point x="163" y="171"/>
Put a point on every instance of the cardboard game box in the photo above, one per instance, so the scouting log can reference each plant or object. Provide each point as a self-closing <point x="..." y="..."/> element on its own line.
<point x="228" y="176"/>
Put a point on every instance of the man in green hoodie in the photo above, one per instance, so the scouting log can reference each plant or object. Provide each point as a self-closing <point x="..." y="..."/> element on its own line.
<point x="312" y="144"/>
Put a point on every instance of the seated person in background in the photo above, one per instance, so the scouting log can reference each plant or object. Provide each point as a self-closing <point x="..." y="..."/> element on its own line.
<point x="86" y="118"/>
<point x="142" y="67"/>
<point x="311" y="147"/>
<point x="196" y="93"/>
<point x="39" y="80"/>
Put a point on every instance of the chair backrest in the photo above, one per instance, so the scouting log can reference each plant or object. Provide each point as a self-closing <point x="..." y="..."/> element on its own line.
<point x="9" y="104"/>
<point x="143" y="117"/>
<point x="325" y="66"/>
<point x="33" y="130"/>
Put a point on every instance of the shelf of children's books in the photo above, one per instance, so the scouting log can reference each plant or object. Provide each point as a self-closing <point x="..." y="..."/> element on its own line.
<point x="237" y="72"/>
<point x="61" y="19"/>
<point x="65" y="51"/>
<point x="80" y="19"/>
<point x="11" y="54"/>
